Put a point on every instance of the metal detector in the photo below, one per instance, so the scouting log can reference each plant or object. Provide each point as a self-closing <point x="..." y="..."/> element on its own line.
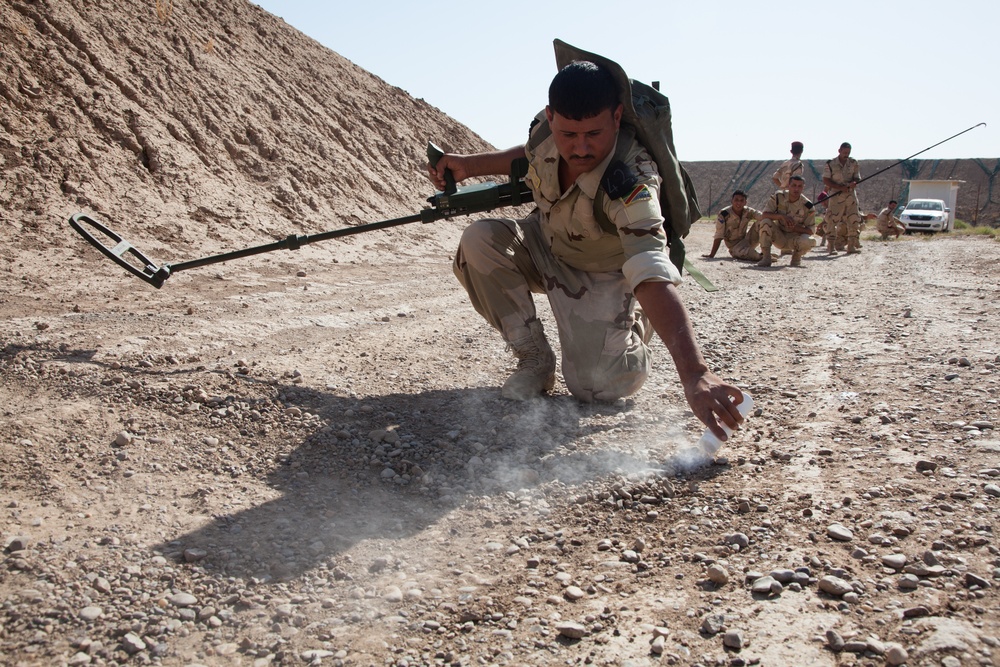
<point x="454" y="201"/>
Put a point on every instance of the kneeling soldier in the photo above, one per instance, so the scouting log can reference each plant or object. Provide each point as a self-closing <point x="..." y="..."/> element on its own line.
<point x="787" y="222"/>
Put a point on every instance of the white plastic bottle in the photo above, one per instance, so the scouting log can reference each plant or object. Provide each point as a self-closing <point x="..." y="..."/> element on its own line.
<point x="711" y="444"/>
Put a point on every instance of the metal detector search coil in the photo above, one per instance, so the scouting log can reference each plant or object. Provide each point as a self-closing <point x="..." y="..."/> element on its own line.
<point x="121" y="251"/>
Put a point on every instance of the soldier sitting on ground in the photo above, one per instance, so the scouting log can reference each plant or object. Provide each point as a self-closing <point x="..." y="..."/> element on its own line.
<point x="736" y="225"/>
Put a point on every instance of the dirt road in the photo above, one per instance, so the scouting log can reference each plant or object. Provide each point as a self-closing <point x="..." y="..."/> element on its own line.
<point x="295" y="460"/>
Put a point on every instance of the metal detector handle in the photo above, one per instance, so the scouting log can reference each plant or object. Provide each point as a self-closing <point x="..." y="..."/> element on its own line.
<point x="140" y="266"/>
<point x="434" y="154"/>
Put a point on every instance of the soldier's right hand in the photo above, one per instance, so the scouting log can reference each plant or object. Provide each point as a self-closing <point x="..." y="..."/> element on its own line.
<point x="456" y="163"/>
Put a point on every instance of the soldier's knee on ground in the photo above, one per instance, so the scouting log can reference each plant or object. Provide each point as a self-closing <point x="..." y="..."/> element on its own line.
<point x="606" y="383"/>
<point x="609" y="389"/>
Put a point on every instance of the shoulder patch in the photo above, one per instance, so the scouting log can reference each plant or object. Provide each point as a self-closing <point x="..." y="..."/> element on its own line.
<point x="618" y="180"/>
<point x="639" y="193"/>
<point x="724" y="213"/>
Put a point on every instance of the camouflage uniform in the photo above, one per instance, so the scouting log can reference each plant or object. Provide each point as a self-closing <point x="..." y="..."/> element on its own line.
<point x="772" y="232"/>
<point x="843" y="213"/>
<point x="588" y="273"/>
<point x="787" y="169"/>
<point x="739" y="232"/>
<point x="888" y="223"/>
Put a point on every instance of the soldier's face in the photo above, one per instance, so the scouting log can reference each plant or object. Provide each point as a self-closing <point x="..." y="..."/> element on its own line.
<point x="583" y="144"/>
<point x="795" y="188"/>
<point x="739" y="201"/>
<point x="845" y="152"/>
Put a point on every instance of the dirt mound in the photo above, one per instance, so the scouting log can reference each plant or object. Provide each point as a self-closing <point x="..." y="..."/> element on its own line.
<point x="200" y="123"/>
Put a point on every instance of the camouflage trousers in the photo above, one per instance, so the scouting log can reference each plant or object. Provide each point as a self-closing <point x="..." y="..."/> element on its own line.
<point x="843" y="217"/>
<point x="602" y="332"/>
<point x="746" y="248"/>
<point x="886" y="227"/>
<point x="772" y="234"/>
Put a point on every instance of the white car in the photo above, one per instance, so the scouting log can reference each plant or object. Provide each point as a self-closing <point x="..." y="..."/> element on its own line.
<point x="926" y="215"/>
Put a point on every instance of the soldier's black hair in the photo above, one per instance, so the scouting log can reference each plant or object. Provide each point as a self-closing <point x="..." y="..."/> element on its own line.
<point x="739" y="193"/>
<point x="796" y="177"/>
<point x="893" y="201"/>
<point x="845" y="145"/>
<point x="583" y="90"/>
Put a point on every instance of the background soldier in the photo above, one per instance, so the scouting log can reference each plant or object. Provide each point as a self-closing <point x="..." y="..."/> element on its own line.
<point x="789" y="168"/>
<point x="840" y="176"/>
<point x="887" y="222"/>
<point x="736" y="225"/>
<point x="787" y="223"/>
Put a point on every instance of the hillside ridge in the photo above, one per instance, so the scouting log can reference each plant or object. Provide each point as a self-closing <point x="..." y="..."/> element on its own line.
<point x="199" y="122"/>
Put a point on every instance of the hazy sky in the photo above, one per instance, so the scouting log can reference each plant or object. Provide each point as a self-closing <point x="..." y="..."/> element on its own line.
<point x="744" y="78"/>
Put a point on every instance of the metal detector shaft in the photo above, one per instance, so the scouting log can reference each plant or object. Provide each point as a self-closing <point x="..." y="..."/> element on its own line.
<point x="448" y="204"/>
<point x="293" y="242"/>
<point x="884" y="169"/>
<point x="132" y="260"/>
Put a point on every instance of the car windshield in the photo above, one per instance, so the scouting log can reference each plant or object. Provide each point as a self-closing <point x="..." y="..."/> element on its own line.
<point x="924" y="205"/>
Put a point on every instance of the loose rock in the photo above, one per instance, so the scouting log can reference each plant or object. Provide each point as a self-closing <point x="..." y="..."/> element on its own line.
<point x="718" y="575"/>
<point x="571" y="629"/>
<point x="834" y="586"/>
<point x="838" y="532"/>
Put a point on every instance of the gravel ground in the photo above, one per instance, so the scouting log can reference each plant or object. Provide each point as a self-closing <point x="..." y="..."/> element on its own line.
<point x="288" y="460"/>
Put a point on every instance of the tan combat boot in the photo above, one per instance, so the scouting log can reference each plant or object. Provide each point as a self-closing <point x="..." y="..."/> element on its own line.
<point x="765" y="258"/>
<point x="796" y="259"/>
<point x="536" y="366"/>
<point x="830" y="250"/>
<point x="853" y="246"/>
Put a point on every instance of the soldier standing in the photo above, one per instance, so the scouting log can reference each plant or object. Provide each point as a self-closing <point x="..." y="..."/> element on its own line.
<point x="840" y="176"/>
<point x="788" y="168"/>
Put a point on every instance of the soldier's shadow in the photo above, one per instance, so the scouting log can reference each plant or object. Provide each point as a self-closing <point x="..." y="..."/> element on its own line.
<point x="334" y="492"/>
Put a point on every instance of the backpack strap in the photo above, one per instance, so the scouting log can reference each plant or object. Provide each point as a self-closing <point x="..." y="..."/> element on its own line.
<point x="626" y="134"/>
<point x="617" y="181"/>
<point x="538" y="131"/>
